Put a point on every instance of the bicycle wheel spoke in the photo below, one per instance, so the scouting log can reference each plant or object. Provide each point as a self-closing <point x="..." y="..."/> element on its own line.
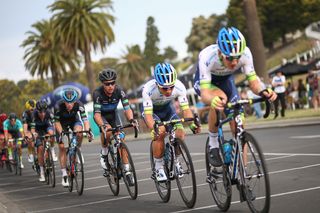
<point x="255" y="177"/>
<point x="220" y="185"/>
<point x="78" y="172"/>
<point x="185" y="178"/>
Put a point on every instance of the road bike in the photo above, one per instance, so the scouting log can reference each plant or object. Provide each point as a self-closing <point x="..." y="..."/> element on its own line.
<point x="177" y="164"/>
<point x="244" y="166"/>
<point x="4" y="160"/>
<point x="118" y="153"/>
<point x="49" y="167"/>
<point x="74" y="166"/>
<point x="16" y="162"/>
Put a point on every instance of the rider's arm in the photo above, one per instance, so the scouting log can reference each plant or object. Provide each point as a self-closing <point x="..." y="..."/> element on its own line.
<point x="125" y="103"/>
<point x="84" y="117"/>
<point x="58" y="126"/>
<point x="97" y="108"/>
<point x="147" y="108"/>
<point x="56" y="118"/>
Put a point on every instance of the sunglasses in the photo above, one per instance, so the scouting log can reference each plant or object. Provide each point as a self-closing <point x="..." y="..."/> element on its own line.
<point x="166" y="88"/>
<point x="109" y="83"/>
<point x="231" y="58"/>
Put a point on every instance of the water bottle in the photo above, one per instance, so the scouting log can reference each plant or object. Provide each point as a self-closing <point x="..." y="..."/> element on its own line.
<point x="166" y="153"/>
<point x="122" y="135"/>
<point x="73" y="145"/>
<point x="227" y="150"/>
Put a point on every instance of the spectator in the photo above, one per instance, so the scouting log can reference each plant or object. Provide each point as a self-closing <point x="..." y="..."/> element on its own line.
<point x="313" y="93"/>
<point x="301" y="94"/>
<point x="278" y="82"/>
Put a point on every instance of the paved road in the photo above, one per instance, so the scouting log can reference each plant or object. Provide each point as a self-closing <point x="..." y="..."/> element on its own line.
<point x="292" y="153"/>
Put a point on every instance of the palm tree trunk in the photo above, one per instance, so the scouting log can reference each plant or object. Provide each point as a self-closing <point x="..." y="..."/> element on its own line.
<point x="55" y="79"/>
<point x="89" y="71"/>
<point x="255" y="37"/>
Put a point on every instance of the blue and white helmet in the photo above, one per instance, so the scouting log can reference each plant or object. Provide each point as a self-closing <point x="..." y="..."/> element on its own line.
<point x="231" y="42"/>
<point x="69" y="95"/>
<point x="165" y="74"/>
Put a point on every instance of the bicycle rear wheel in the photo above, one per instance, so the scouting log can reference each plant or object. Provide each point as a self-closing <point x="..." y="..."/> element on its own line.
<point x="78" y="172"/>
<point x="185" y="175"/>
<point x="220" y="184"/>
<point x="69" y="169"/>
<point x="129" y="177"/>
<point x="163" y="188"/>
<point x="49" y="169"/>
<point x="254" y="176"/>
<point x="112" y="177"/>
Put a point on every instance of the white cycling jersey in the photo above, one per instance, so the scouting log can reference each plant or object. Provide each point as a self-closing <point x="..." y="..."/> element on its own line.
<point x="211" y="64"/>
<point x="153" y="98"/>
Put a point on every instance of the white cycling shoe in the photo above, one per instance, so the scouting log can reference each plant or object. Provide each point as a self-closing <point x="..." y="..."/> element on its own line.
<point x="21" y="166"/>
<point x="179" y="170"/>
<point x="30" y="158"/>
<point x="161" y="175"/>
<point x="65" y="182"/>
<point x="42" y="178"/>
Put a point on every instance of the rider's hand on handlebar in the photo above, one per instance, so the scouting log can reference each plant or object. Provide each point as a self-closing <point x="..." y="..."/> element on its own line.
<point x="134" y="122"/>
<point x="194" y="128"/>
<point x="269" y="94"/>
<point x="154" y="135"/>
<point x="218" y="103"/>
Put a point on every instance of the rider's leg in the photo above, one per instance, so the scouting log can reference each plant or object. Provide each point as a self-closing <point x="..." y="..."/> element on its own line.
<point x="50" y="131"/>
<point x="158" y="148"/>
<point x="104" y="146"/>
<point x="40" y="154"/>
<point x="30" y="146"/>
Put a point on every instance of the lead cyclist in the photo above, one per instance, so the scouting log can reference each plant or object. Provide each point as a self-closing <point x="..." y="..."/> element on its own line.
<point x="214" y="80"/>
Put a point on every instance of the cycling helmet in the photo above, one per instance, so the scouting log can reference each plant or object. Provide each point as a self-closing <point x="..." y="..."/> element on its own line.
<point x="3" y="117"/>
<point x="69" y="95"/>
<point x="231" y="42"/>
<point x="41" y="105"/>
<point x="12" y="116"/>
<point x="30" y="104"/>
<point x="107" y="74"/>
<point x="165" y="74"/>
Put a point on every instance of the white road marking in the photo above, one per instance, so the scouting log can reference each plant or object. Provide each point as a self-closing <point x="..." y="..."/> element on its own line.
<point x="305" y="137"/>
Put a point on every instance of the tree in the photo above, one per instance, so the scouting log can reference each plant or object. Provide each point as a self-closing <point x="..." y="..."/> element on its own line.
<point x="44" y="54"/>
<point x="84" y="25"/>
<point x="203" y="33"/>
<point x="10" y="101"/>
<point x="255" y="37"/>
<point x="131" y="67"/>
<point x="151" y="49"/>
<point x="169" y="54"/>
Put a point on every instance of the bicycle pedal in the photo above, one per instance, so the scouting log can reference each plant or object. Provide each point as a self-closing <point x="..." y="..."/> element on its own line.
<point x="209" y="180"/>
<point x="171" y="175"/>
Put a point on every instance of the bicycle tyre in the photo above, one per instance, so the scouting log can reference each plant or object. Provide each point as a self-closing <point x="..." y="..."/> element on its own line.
<point x="132" y="184"/>
<point x="17" y="163"/>
<point x="163" y="188"/>
<point x="255" y="171"/>
<point x="113" y="178"/>
<point x="220" y="186"/>
<point x="188" y="169"/>
<point x="69" y="170"/>
<point x="50" y="170"/>
<point x="78" y="172"/>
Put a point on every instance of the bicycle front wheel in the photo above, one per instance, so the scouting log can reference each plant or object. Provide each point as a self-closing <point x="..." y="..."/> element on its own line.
<point x="164" y="187"/>
<point x="220" y="184"/>
<point x="70" y="170"/>
<point x="129" y="176"/>
<point x="49" y="169"/>
<point x="112" y="176"/>
<point x="254" y="175"/>
<point x="78" y="172"/>
<point x="185" y="175"/>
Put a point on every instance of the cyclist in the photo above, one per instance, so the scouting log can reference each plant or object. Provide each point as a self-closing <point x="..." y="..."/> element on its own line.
<point x="3" y="117"/>
<point x="106" y="99"/>
<point x="42" y="125"/>
<point x="13" y="129"/>
<point x="215" y="84"/>
<point x="158" y="95"/>
<point x="27" y="118"/>
<point x="69" y="113"/>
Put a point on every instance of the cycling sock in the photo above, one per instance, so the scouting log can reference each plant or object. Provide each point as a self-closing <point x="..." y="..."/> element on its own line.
<point x="9" y="151"/>
<point x="64" y="172"/>
<point x="158" y="163"/>
<point x="104" y="150"/>
<point x="213" y="140"/>
<point x="41" y="170"/>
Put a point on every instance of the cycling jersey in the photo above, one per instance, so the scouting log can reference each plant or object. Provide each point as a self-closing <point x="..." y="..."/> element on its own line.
<point x="42" y="126"/>
<point x="2" y="119"/>
<point x="153" y="100"/>
<point x="27" y="118"/>
<point x="107" y="106"/>
<point x="70" y="118"/>
<point x="15" y="130"/>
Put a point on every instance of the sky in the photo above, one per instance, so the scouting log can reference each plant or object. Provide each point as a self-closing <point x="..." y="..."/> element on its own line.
<point x="173" y="18"/>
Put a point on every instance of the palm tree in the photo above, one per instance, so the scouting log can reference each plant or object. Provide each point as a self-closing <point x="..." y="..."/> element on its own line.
<point x="44" y="54"/>
<point x="132" y="68"/>
<point x="83" y="27"/>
